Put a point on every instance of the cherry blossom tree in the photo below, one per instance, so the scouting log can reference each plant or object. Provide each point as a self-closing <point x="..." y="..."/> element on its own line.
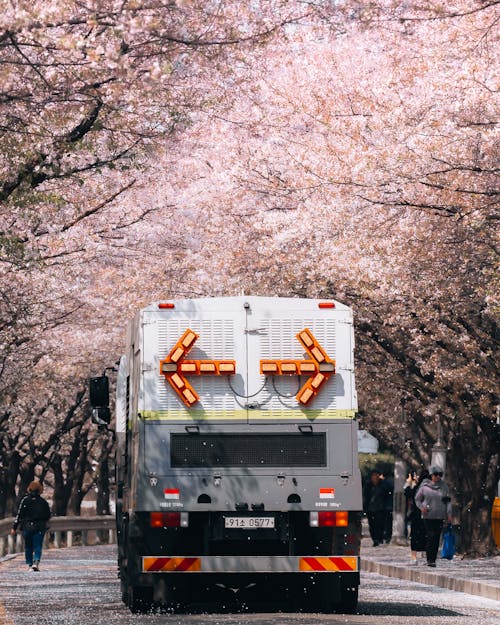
<point x="89" y="91"/>
<point x="353" y="157"/>
<point x="364" y="167"/>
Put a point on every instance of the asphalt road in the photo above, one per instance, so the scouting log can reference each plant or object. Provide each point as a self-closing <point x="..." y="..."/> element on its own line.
<point x="78" y="586"/>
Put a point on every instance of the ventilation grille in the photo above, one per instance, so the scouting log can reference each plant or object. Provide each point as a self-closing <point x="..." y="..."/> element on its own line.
<point x="215" y="342"/>
<point x="248" y="450"/>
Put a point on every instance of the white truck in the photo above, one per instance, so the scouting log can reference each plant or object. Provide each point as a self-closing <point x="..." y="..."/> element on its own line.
<point x="237" y="461"/>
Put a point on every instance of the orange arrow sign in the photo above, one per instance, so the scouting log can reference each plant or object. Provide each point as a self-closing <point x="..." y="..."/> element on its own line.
<point x="174" y="366"/>
<point x="319" y="368"/>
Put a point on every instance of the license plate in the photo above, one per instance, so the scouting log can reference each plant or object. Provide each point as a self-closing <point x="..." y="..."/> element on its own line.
<point x="249" y="523"/>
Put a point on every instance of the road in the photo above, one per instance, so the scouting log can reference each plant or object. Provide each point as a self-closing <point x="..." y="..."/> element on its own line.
<point x="78" y="586"/>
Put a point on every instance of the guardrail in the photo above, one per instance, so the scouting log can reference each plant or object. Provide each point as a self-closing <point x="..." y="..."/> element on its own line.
<point x="63" y="531"/>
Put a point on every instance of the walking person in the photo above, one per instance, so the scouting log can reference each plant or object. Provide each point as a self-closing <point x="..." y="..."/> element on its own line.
<point x="32" y="517"/>
<point x="414" y="516"/>
<point x="375" y="506"/>
<point x="433" y="501"/>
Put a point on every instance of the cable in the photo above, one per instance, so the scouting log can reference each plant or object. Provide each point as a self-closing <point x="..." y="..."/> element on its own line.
<point x="245" y="396"/>
<point x="282" y="394"/>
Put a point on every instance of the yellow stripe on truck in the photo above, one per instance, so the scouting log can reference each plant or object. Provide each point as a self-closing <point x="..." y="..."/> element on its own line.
<point x="242" y="415"/>
<point x="250" y="564"/>
<point x="154" y="564"/>
<point x="325" y="563"/>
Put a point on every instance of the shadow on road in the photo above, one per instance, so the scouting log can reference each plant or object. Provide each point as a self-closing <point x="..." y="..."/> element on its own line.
<point x="402" y="609"/>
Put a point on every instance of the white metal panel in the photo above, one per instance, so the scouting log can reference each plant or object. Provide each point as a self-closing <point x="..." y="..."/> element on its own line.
<point x="246" y="329"/>
<point x="220" y="337"/>
<point x="272" y="328"/>
<point x="121" y="396"/>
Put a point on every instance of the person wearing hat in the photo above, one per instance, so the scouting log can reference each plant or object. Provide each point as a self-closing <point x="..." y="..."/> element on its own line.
<point x="32" y="517"/>
<point x="433" y="501"/>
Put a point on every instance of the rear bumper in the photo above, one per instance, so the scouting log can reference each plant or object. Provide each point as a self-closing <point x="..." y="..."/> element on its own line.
<point x="250" y="564"/>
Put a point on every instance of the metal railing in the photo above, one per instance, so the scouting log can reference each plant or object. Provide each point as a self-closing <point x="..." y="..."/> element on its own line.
<point x="63" y="531"/>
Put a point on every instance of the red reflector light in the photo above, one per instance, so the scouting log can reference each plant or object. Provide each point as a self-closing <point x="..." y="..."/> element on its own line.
<point x="328" y="518"/>
<point x="163" y="305"/>
<point x="165" y="519"/>
<point x="326" y="305"/>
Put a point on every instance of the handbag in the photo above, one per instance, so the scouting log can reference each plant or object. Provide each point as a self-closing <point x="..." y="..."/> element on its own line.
<point x="448" y="550"/>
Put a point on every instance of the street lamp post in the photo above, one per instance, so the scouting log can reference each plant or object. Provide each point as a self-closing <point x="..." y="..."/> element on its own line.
<point x="438" y="452"/>
<point x="400" y="472"/>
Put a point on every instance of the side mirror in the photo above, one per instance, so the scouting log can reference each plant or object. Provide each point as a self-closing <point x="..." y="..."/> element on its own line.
<point x="99" y="400"/>
<point x="101" y="416"/>
<point x="99" y="392"/>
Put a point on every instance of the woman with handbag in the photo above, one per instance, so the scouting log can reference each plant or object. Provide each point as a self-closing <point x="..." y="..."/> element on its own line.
<point x="32" y="517"/>
<point x="433" y="500"/>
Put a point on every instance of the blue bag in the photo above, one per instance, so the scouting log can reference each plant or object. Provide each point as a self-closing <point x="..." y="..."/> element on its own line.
<point x="448" y="550"/>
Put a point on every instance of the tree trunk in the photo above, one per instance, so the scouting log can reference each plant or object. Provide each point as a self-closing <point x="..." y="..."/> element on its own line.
<point x="8" y="479"/>
<point x="102" y="483"/>
<point x="61" y="490"/>
<point x="476" y="538"/>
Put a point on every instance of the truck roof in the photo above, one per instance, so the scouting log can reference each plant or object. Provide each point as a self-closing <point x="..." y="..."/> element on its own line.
<point x="215" y="302"/>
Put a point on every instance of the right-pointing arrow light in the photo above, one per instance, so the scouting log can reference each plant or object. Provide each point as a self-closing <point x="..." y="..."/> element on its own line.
<point x="319" y="368"/>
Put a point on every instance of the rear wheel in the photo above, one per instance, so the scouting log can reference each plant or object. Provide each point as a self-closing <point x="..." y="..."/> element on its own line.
<point x="124" y="591"/>
<point x="336" y="594"/>
<point x="348" y="603"/>
<point x="171" y="593"/>
<point x="139" y="600"/>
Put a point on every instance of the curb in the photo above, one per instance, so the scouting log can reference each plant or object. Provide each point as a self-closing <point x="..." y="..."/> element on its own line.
<point x="432" y="579"/>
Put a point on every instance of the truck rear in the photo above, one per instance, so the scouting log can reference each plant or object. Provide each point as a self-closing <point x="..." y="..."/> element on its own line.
<point x="237" y="463"/>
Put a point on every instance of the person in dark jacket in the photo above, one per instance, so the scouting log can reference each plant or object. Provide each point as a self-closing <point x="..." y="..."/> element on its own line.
<point x="376" y="496"/>
<point x="32" y="517"/>
<point x="433" y="500"/>
<point x="414" y="516"/>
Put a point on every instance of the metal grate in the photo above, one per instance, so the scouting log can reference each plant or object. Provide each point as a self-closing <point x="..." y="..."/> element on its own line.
<point x="248" y="450"/>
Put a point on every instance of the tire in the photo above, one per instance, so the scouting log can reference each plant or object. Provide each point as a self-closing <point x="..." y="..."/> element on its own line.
<point x="175" y="595"/>
<point x="348" y="603"/>
<point x="124" y="591"/>
<point x="139" y="600"/>
<point x="326" y="592"/>
<point x="336" y="595"/>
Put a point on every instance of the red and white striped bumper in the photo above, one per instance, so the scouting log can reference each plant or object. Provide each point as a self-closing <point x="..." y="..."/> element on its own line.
<point x="250" y="564"/>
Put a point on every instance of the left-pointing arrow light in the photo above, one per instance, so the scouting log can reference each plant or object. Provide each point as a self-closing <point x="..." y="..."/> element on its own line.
<point x="175" y="366"/>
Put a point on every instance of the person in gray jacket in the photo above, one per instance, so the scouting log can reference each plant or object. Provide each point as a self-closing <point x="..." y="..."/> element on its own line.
<point x="433" y="501"/>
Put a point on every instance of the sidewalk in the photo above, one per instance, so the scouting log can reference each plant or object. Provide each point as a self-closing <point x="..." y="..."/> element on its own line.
<point x="479" y="576"/>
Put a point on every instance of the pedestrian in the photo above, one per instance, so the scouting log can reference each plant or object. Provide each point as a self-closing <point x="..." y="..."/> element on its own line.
<point x="375" y="506"/>
<point x="414" y="516"/>
<point x="433" y="500"/>
<point x="32" y="517"/>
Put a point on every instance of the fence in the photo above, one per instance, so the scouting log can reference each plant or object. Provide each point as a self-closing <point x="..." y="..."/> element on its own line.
<point x="63" y="530"/>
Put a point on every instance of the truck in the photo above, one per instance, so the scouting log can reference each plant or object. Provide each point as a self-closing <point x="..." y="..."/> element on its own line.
<point x="237" y="465"/>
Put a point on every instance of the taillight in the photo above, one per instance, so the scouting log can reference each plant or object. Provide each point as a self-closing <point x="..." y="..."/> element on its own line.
<point x="342" y="518"/>
<point x="165" y="305"/>
<point x="326" y="305"/>
<point x="329" y="518"/>
<point x="168" y="519"/>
